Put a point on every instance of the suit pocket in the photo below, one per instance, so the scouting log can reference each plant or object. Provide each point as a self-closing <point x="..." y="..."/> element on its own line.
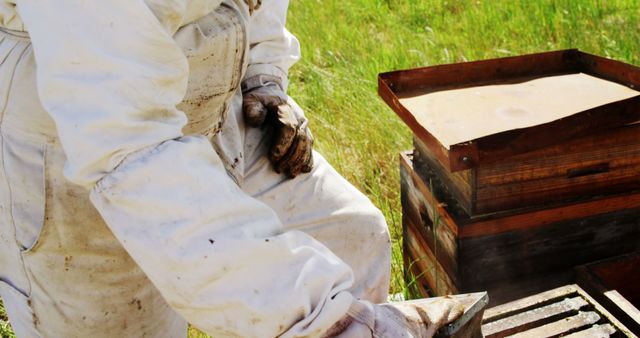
<point x="24" y="165"/>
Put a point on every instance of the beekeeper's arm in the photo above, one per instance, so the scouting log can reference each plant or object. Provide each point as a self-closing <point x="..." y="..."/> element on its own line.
<point x="273" y="50"/>
<point x="110" y="75"/>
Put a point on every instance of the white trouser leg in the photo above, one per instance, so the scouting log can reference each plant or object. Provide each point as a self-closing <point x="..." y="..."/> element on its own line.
<point x="326" y="206"/>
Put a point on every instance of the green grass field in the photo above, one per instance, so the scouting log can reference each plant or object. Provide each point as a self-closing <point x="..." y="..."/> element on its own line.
<point x="346" y="43"/>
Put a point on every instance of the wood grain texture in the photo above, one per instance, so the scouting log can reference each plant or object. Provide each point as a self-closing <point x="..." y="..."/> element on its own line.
<point x="423" y="263"/>
<point x="626" y="306"/>
<point x="554" y="246"/>
<point x="416" y="261"/>
<point x="507" y="290"/>
<point x="421" y="208"/>
<point x="581" y="320"/>
<point x="469" y="74"/>
<point x="461" y="184"/>
<point x="534" y="317"/>
<point x="492" y="224"/>
<point x="604" y="163"/>
<point x="530" y="301"/>
<point x="520" y="253"/>
<point x="605" y="330"/>
<point x="612" y="70"/>
<point x="500" y="146"/>
<point x="537" y="218"/>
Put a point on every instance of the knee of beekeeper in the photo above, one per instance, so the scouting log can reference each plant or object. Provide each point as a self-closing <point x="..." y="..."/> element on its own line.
<point x="374" y="224"/>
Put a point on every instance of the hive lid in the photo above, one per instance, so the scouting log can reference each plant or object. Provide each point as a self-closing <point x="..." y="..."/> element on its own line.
<point x="473" y="113"/>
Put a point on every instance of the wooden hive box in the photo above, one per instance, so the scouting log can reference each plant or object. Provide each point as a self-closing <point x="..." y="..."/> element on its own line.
<point x="524" y="131"/>
<point x="615" y="283"/>
<point x="523" y="168"/>
<point x="509" y="254"/>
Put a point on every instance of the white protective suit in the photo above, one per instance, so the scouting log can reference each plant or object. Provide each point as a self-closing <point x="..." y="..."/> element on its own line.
<point x="139" y="103"/>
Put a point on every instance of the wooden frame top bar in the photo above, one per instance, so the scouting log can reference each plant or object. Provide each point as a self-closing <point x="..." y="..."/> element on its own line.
<point x="398" y="84"/>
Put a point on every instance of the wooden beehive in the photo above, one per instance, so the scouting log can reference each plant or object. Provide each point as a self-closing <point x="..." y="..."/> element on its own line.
<point x="523" y="167"/>
<point x="524" y="131"/>
<point x="508" y="254"/>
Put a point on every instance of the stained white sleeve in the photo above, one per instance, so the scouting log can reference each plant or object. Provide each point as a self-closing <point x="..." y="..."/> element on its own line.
<point x="110" y="75"/>
<point x="273" y="48"/>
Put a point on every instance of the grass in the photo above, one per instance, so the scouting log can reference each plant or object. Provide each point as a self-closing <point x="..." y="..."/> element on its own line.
<point x="346" y="43"/>
<point x="5" y="328"/>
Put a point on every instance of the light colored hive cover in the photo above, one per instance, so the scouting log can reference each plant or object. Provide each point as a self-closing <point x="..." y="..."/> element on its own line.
<point x="461" y="115"/>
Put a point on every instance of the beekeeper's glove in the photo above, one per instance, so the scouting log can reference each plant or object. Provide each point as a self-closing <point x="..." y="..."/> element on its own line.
<point x="415" y="318"/>
<point x="265" y="103"/>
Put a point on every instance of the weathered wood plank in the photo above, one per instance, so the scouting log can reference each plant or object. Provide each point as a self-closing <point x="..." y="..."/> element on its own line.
<point x="609" y="69"/>
<point x="579" y="168"/>
<point x="564" y="158"/>
<point x="563" y="326"/>
<point x="527" y="303"/>
<point x="501" y="290"/>
<point x="582" y="154"/>
<point x="604" y="162"/>
<point x="563" y="237"/>
<point x="461" y="184"/>
<point x="421" y="209"/>
<point x="547" y="248"/>
<point x="596" y="331"/>
<point x="519" y="219"/>
<point x="435" y="207"/>
<point x="625" y="305"/>
<point x="538" y="218"/>
<point x="449" y="265"/>
<point x="430" y="269"/>
<point x="415" y="282"/>
<point x="534" y="317"/>
<point x="421" y="80"/>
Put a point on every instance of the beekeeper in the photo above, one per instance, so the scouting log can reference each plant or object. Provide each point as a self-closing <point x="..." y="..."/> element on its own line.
<point x="138" y="193"/>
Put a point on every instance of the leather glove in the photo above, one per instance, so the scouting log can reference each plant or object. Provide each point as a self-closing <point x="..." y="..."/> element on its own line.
<point x="265" y="104"/>
<point x="420" y="318"/>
